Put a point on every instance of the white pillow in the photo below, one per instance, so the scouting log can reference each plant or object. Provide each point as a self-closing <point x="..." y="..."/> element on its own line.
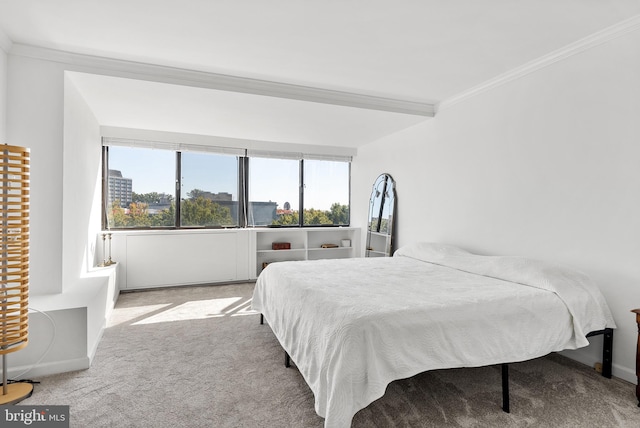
<point x="429" y="251"/>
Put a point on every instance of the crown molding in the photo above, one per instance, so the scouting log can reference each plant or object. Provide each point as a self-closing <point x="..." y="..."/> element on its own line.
<point x="610" y="33"/>
<point x="181" y="76"/>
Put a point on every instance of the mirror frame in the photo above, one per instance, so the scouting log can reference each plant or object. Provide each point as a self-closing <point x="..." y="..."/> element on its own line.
<point x="382" y="200"/>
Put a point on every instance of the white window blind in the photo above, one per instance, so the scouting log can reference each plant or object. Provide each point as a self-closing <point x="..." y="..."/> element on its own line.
<point x="163" y="145"/>
<point x="324" y="157"/>
<point x="183" y="147"/>
<point x="273" y="154"/>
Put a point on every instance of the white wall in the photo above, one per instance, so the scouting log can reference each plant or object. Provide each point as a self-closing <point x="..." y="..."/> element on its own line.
<point x="35" y="120"/>
<point x="82" y="185"/>
<point x="546" y="166"/>
<point x="48" y="115"/>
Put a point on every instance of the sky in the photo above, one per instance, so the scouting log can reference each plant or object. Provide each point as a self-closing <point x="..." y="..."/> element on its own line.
<point x="273" y="180"/>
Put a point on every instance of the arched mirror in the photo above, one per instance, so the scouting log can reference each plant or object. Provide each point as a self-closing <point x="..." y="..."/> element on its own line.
<point x="381" y="214"/>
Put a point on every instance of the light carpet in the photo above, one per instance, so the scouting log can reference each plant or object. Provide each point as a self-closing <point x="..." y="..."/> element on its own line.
<point x="198" y="357"/>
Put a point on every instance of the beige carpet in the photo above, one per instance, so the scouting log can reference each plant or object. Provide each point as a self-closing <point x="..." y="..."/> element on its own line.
<point x="197" y="357"/>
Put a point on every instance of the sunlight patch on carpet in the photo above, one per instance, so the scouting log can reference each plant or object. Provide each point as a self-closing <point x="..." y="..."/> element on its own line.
<point x="201" y="309"/>
<point x="123" y="315"/>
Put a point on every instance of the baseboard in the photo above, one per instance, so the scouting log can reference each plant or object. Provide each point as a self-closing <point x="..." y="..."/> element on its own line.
<point x="624" y="373"/>
<point x="617" y="370"/>
<point x="94" y="348"/>
<point x="45" y="369"/>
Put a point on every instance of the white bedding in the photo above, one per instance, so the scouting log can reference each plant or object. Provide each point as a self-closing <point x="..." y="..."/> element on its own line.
<point x="352" y="326"/>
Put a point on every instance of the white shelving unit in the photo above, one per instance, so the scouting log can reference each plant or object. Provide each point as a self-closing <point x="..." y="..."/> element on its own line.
<point x="379" y="244"/>
<point x="306" y="244"/>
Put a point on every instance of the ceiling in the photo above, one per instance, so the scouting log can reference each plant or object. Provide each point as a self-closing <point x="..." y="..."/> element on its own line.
<point x="420" y="51"/>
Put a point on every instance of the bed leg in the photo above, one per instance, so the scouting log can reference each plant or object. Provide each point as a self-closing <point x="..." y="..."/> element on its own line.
<point x="261" y="319"/>
<point x="287" y="360"/>
<point x="607" y="350"/>
<point x="505" y="387"/>
<point x="607" y="353"/>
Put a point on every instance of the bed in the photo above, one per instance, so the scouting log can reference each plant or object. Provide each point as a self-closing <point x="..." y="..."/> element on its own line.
<point x="352" y="326"/>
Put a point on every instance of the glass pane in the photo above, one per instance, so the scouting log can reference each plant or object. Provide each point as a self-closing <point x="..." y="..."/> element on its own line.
<point x="209" y="195"/>
<point x="386" y="218"/>
<point x="141" y="188"/>
<point x="326" y="192"/>
<point x="376" y="204"/>
<point x="273" y="191"/>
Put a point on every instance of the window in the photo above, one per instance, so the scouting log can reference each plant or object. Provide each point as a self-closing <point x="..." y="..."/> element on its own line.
<point x="141" y="185"/>
<point x="161" y="185"/>
<point x="326" y="192"/>
<point x="274" y="192"/>
<point x="209" y="193"/>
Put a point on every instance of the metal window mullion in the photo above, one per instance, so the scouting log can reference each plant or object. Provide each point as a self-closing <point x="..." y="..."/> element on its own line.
<point x="105" y="187"/>
<point x="349" y="181"/>
<point x="177" y="221"/>
<point x="243" y="194"/>
<point x="301" y="196"/>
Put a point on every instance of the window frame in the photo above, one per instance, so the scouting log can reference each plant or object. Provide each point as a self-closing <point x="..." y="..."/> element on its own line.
<point x="243" y="196"/>
<point x="301" y="209"/>
<point x="250" y="215"/>
<point x="179" y="189"/>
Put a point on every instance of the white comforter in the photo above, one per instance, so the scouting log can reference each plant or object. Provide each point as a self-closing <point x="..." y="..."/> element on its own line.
<point x="352" y="326"/>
